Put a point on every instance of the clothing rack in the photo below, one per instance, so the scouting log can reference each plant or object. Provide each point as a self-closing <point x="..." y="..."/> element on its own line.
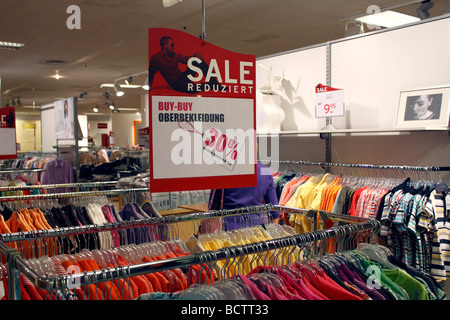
<point x="60" y="282"/>
<point x="72" y="194"/>
<point x="13" y="256"/>
<point x="72" y="231"/>
<point x="359" y="166"/>
<point x="60" y="185"/>
<point x="18" y="170"/>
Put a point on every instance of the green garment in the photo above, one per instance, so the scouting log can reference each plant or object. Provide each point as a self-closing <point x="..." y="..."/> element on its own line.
<point x="375" y="271"/>
<point x="415" y="289"/>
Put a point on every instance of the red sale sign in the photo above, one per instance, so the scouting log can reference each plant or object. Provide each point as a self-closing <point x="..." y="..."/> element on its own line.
<point x="8" y="133"/>
<point x="202" y="120"/>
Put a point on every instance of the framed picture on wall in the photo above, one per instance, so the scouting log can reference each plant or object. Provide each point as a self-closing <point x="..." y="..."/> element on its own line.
<point x="424" y="108"/>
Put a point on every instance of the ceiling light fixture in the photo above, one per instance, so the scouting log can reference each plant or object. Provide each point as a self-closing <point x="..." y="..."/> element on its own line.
<point x="387" y="19"/>
<point x="170" y="3"/>
<point x="129" y="80"/>
<point x="10" y="45"/>
<point x="84" y="93"/>
<point x="95" y="109"/>
<point x="422" y="11"/>
<point x="119" y="92"/>
<point x="57" y="76"/>
<point x="124" y="86"/>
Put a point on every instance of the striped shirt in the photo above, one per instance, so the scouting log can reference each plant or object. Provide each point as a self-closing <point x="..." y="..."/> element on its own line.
<point x="440" y="263"/>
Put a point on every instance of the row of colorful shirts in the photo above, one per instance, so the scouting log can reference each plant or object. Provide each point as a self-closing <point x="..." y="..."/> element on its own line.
<point x="173" y="280"/>
<point x="415" y="225"/>
<point x="35" y="219"/>
<point x="330" y="193"/>
<point x="354" y="196"/>
<point x="344" y="276"/>
<point x="414" y="215"/>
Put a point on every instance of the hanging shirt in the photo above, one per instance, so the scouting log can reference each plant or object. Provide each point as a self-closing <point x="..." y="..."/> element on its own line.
<point x="415" y="290"/>
<point x="58" y="171"/>
<point x="440" y="263"/>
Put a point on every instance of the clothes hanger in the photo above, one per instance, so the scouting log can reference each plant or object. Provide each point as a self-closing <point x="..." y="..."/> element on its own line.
<point x="374" y="254"/>
<point x="226" y="285"/>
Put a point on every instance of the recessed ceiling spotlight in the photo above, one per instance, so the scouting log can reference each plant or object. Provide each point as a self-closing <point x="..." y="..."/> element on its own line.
<point x="57" y="76"/>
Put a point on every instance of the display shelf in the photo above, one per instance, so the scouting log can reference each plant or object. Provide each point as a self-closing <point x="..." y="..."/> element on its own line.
<point x="356" y="131"/>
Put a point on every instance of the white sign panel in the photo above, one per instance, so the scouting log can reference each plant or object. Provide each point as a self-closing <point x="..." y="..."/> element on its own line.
<point x="329" y="102"/>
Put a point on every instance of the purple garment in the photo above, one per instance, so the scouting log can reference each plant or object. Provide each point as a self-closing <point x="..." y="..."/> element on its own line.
<point x="352" y="277"/>
<point x="233" y="198"/>
<point x="134" y="235"/>
<point x="58" y="171"/>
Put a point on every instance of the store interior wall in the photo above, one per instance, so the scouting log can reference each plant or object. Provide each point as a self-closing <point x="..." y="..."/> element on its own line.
<point x="94" y="131"/>
<point x="123" y="128"/>
<point x="292" y="78"/>
<point x="372" y="69"/>
<point x="28" y="139"/>
<point x="48" y="137"/>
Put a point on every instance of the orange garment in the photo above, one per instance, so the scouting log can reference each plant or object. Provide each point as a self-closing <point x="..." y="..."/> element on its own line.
<point x="182" y="277"/>
<point x="326" y="193"/>
<point x="109" y="290"/>
<point x="163" y="281"/>
<point x="3" y="226"/>
<point x="94" y="293"/>
<point x="18" y="223"/>
<point x="140" y="284"/>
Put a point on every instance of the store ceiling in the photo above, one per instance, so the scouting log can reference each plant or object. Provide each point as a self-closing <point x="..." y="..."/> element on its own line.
<point x="112" y="41"/>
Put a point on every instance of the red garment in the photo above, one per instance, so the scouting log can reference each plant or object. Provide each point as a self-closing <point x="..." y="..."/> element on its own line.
<point x="328" y="286"/>
<point x="355" y="197"/>
<point x="30" y="288"/>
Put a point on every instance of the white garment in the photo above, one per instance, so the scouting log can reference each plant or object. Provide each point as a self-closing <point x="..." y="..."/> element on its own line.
<point x="96" y="214"/>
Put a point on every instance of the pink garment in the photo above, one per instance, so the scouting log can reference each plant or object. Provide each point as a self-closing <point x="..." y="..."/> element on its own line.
<point x="258" y="294"/>
<point x="114" y="234"/>
<point x="299" y="285"/>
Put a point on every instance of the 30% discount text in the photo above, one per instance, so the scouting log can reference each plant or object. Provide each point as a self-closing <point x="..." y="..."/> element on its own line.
<point x="217" y="143"/>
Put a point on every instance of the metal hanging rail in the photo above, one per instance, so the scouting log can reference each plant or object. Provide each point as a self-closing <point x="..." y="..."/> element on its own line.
<point x="359" y="166"/>
<point x="112" y="226"/>
<point x="72" y="194"/>
<point x="20" y="170"/>
<point x="61" y="185"/>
